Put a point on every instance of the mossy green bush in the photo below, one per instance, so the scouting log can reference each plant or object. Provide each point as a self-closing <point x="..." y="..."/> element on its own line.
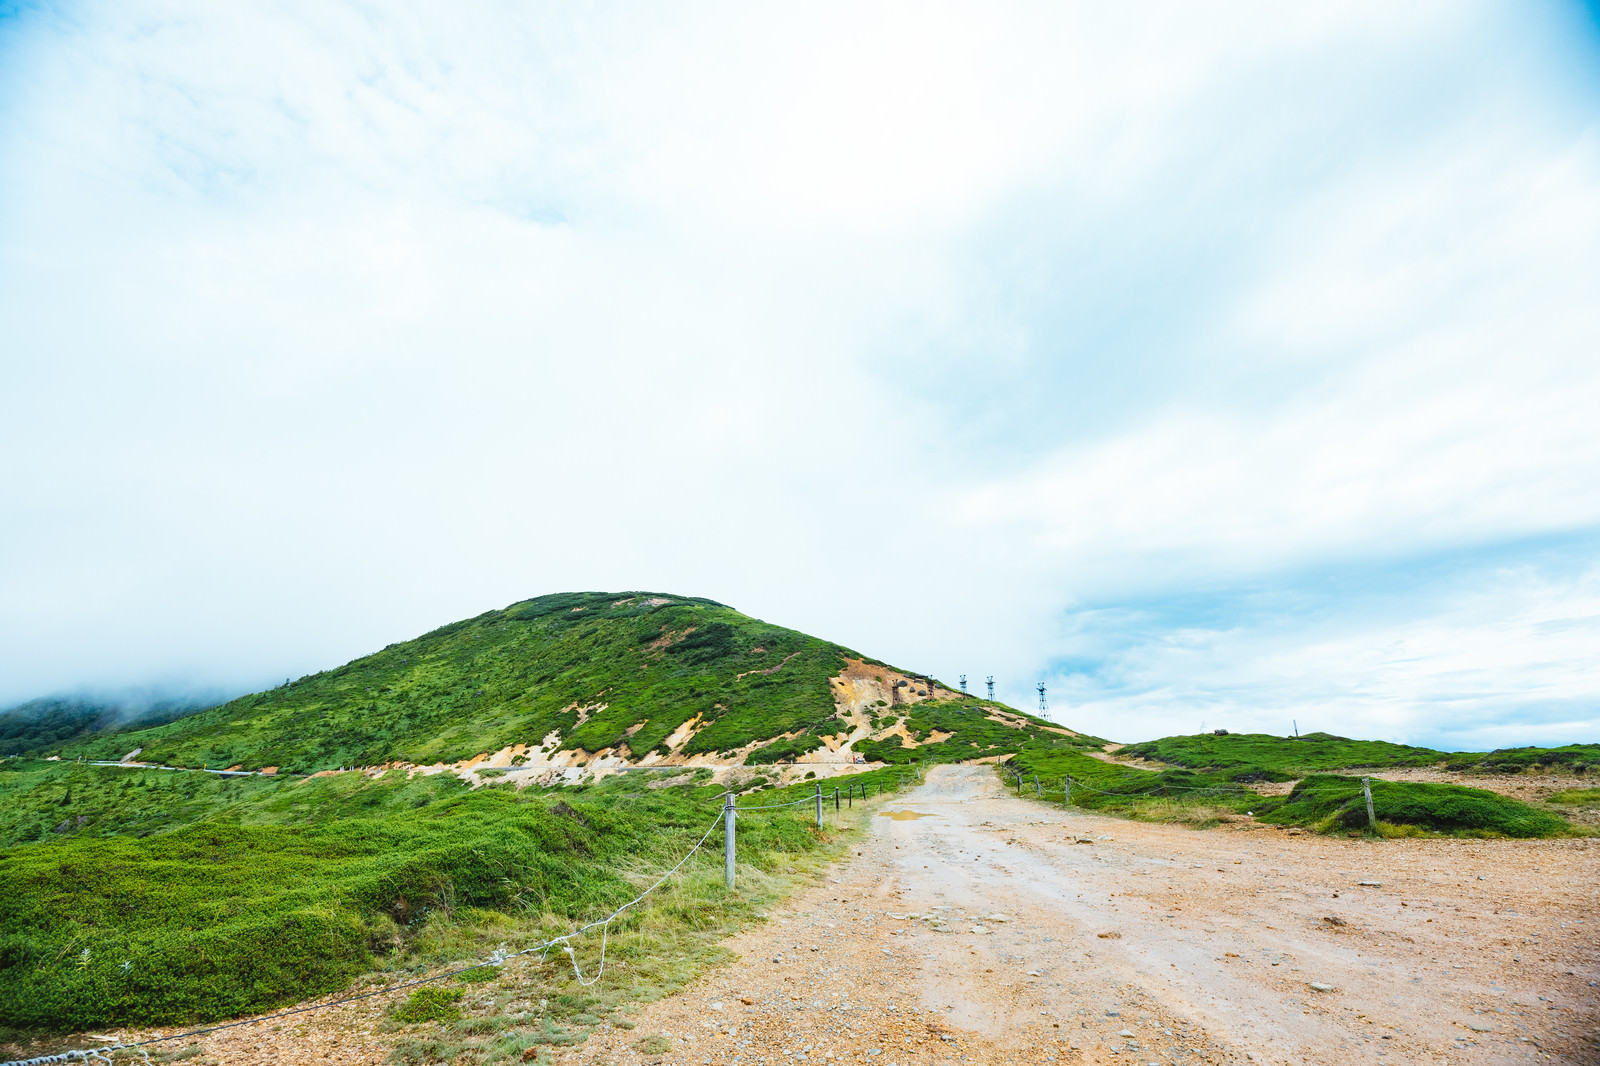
<point x="430" y="1004"/>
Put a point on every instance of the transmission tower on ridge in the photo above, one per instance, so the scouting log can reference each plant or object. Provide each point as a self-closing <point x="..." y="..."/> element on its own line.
<point x="991" y="686"/>
<point x="963" y="684"/>
<point x="1044" y="704"/>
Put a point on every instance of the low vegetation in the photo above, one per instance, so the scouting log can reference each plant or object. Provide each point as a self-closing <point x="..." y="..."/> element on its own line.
<point x="1575" y="797"/>
<point x="1178" y="795"/>
<point x="1325" y="803"/>
<point x="224" y="897"/>
<point x="1569" y="758"/>
<point x="1335" y="803"/>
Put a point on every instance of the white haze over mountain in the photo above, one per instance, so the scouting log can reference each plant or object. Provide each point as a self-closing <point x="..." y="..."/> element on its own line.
<point x="1229" y="364"/>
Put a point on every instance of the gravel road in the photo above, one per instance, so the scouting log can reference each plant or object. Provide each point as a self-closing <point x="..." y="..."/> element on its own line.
<point x="997" y="929"/>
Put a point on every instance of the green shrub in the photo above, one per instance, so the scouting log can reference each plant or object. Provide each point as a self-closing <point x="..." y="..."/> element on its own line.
<point x="430" y="1004"/>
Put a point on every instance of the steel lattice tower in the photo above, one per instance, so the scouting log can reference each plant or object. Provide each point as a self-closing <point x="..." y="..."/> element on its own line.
<point x="1044" y="704"/>
<point x="991" y="686"/>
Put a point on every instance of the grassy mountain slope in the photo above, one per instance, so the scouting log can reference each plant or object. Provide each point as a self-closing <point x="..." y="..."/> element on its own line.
<point x="601" y="671"/>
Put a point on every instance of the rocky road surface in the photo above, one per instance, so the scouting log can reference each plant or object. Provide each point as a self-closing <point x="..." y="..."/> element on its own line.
<point x="973" y="926"/>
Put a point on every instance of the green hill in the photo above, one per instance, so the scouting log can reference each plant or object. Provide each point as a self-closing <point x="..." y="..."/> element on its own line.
<point x="634" y="676"/>
<point x="1263" y="757"/>
<point x="1281" y="758"/>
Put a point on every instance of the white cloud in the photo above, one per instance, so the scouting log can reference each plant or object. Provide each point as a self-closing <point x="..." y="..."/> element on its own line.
<point x="1508" y="660"/>
<point x="904" y="325"/>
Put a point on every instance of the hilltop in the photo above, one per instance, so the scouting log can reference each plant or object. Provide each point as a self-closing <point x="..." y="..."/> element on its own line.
<point x="597" y="680"/>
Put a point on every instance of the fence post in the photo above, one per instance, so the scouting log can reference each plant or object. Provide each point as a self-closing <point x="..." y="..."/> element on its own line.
<point x="727" y="839"/>
<point x="819" y="804"/>
<point x="1037" y="793"/>
<point x="1066" y="789"/>
<point x="835" y="801"/>
<point x="850" y="795"/>
<point x="1372" y="819"/>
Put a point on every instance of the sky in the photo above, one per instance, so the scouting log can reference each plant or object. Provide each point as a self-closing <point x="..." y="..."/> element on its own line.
<point x="1219" y="366"/>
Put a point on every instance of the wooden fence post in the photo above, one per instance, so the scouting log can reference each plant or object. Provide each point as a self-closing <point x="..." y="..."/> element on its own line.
<point x="1372" y="818"/>
<point x="819" y="804"/>
<point x="727" y="840"/>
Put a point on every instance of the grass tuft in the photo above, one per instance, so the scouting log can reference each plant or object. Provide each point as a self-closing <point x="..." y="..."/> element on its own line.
<point x="430" y="1004"/>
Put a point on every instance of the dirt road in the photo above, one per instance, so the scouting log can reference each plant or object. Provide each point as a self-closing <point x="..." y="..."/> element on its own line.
<point x="979" y="927"/>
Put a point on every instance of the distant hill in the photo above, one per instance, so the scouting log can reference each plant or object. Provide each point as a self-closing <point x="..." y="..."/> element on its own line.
<point x="1267" y="757"/>
<point x="572" y="678"/>
<point x="43" y="724"/>
<point x="1286" y="755"/>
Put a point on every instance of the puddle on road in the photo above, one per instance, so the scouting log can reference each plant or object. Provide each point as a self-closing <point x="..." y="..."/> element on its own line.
<point x="905" y="816"/>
